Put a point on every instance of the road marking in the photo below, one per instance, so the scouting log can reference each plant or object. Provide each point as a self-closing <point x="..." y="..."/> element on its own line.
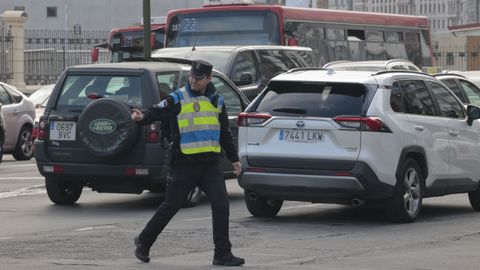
<point x="202" y="218"/>
<point x="18" y="165"/>
<point x="5" y="238"/>
<point x="22" y="178"/>
<point x="300" y="206"/>
<point x="95" y="228"/>
<point x="32" y="190"/>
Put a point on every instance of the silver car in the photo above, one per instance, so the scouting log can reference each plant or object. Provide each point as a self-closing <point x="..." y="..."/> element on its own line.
<point x="40" y="98"/>
<point x="2" y="133"/>
<point x="19" y="114"/>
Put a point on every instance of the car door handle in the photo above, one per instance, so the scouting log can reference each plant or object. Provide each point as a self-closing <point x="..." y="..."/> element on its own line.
<point x="453" y="133"/>
<point x="16" y="112"/>
<point x="419" y="128"/>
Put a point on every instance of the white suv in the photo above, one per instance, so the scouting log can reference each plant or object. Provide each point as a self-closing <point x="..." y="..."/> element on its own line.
<point x="350" y="137"/>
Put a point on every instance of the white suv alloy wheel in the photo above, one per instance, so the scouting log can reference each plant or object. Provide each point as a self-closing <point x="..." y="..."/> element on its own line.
<point x="412" y="195"/>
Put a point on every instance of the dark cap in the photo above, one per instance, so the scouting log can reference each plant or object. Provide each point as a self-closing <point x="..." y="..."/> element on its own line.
<point x="200" y="69"/>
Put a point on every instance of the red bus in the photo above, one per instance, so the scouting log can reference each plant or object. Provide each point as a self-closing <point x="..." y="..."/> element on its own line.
<point x="127" y="42"/>
<point x="332" y="34"/>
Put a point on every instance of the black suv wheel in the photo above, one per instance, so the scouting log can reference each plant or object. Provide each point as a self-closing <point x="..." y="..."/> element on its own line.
<point x="474" y="198"/>
<point x="1" y="151"/>
<point x="63" y="192"/>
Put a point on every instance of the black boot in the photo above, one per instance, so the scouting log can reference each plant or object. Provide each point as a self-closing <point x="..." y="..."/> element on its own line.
<point x="141" y="252"/>
<point x="228" y="260"/>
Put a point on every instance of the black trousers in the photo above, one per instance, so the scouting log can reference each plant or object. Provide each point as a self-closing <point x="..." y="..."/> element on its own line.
<point x="183" y="177"/>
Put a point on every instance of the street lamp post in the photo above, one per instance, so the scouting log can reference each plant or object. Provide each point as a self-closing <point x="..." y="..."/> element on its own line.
<point x="147" y="50"/>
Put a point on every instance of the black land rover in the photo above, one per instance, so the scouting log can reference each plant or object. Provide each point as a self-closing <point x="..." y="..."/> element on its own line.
<point x="87" y="138"/>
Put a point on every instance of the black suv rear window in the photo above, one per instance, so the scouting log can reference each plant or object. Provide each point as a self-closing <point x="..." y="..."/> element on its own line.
<point x="76" y="88"/>
<point x="312" y="99"/>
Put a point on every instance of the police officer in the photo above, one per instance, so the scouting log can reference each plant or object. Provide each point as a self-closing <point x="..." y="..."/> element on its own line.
<point x="201" y="129"/>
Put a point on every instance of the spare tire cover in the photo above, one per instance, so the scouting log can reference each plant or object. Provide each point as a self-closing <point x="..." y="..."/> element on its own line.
<point x="106" y="127"/>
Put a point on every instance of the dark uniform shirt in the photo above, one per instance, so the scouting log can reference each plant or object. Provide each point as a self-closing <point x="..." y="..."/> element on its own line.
<point x="167" y="110"/>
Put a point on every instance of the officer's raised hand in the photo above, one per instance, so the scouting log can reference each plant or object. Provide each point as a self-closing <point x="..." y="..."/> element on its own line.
<point x="137" y="115"/>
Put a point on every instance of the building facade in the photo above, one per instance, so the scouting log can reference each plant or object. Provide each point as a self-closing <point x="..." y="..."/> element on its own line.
<point x="90" y="15"/>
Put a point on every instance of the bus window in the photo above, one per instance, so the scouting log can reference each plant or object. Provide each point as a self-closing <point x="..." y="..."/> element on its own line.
<point x="426" y="45"/>
<point x="395" y="51"/>
<point x="411" y="37"/>
<point x="391" y="36"/>
<point x="375" y="47"/>
<point x="375" y="36"/>
<point x="356" y="44"/>
<point x="310" y="35"/>
<point x="337" y="43"/>
<point x="412" y="46"/>
<point x="335" y="34"/>
<point x="215" y="28"/>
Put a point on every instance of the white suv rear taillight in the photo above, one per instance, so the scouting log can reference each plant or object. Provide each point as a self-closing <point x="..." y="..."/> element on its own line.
<point x="370" y="123"/>
<point x="246" y="119"/>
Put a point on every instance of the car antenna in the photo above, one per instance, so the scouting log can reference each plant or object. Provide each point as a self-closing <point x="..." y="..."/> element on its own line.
<point x="194" y="43"/>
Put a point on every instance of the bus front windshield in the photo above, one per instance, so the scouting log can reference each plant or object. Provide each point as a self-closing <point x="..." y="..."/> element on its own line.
<point x="129" y="44"/>
<point x="224" y="28"/>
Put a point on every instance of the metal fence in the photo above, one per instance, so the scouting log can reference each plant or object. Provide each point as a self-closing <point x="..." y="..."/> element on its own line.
<point x="457" y="57"/>
<point x="49" y="52"/>
<point x="6" y="53"/>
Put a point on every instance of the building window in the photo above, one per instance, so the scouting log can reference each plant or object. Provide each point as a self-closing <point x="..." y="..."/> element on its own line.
<point x="450" y="59"/>
<point x="19" y="8"/>
<point x="51" y="12"/>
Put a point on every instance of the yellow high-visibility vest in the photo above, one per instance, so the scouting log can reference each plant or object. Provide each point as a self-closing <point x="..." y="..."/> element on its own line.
<point x="198" y="123"/>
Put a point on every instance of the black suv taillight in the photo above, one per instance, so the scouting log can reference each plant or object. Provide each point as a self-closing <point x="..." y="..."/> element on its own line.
<point x="153" y="132"/>
<point x="42" y="128"/>
<point x="370" y="123"/>
<point x="246" y="119"/>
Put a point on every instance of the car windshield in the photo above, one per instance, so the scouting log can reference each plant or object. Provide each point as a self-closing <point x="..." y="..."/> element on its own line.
<point x="124" y="88"/>
<point x="312" y="99"/>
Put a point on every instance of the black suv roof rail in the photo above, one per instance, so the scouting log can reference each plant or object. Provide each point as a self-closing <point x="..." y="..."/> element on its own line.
<point x="159" y="59"/>
<point x="174" y="60"/>
<point x="143" y="59"/>
<point x="305" y="69"/>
